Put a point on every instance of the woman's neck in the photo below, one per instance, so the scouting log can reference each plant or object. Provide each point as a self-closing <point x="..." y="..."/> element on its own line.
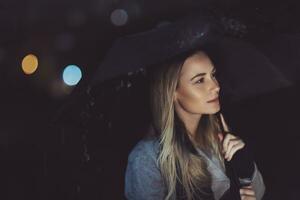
<point x="191" y="122"/>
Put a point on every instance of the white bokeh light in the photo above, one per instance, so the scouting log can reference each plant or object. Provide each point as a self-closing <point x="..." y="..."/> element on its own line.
<point x="119" y="17"/>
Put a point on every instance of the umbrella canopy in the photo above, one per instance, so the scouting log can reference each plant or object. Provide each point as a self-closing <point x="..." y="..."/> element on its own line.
<point x="243" y="70"/>
<point x="284" y="50"/>
<point x="132" y="52"/>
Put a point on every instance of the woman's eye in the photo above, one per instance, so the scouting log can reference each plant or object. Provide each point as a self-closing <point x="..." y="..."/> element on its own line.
<point x="200" y="80"/>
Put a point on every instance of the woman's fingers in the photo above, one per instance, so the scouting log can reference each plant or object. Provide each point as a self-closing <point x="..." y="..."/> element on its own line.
<point x="221" y="137"/>
<point x="247" y="193"/>
<point x="226" y="128"/>
<point x="226" y="141"/>
<point x="234" y="146"/>
<point x="246" y="197"/>
<point x="231" y="144"/>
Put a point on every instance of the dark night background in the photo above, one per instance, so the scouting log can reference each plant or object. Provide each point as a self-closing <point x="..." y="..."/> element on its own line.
<point x="62" y="142"/>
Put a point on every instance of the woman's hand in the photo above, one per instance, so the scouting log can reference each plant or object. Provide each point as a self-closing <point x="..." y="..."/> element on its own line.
<point x="234" y="150"/>
<point x="231" y="144"/>
<point x="247" y="193"/>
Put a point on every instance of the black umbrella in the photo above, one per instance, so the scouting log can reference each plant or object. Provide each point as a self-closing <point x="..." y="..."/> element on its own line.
<point x="284" y="51"/>
<point x="140" y="50"/>
<point x="243" y="70"/>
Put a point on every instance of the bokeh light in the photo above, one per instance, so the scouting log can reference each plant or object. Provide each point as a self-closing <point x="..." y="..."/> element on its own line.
<point x="72" y="75"/>
<point x="119" y="17"/>
<point x="29" y="64"/>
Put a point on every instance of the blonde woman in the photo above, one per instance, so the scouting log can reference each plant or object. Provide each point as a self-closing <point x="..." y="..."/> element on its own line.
<point x="184" y="153"/>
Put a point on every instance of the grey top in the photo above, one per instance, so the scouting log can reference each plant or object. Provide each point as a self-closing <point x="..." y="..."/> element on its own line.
<point x="143" y="180"/>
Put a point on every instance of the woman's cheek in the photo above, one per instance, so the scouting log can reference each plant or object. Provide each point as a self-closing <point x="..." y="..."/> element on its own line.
<point x="193" y="103"/>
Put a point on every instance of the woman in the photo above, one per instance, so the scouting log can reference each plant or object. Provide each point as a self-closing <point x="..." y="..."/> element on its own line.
<point x="184" y="153"/>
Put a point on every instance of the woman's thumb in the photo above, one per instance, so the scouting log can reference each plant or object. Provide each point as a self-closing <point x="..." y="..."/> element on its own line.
<point x="220" y="136"/>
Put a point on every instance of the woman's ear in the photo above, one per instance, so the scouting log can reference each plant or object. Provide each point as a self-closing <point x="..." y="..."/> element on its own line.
<point x="175" y="96"/>
<point x="176" y="103"/>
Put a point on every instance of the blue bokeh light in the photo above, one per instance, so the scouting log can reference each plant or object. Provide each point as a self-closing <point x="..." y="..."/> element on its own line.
<point x="72" y="75"/>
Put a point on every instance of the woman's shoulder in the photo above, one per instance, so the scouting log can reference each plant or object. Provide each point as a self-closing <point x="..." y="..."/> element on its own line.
<point x="145" y="150"/>
<point x="143" y="179"/>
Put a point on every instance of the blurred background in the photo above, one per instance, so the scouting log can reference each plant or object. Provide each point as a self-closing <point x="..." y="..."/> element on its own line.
<point x="60" y="138"/>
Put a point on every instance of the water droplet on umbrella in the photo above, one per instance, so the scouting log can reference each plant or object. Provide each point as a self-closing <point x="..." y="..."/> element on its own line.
<point x="78" y="188"/>
<point x="83" y="137"/>
<point x="130" y="73"/>
<point x="92" y="103"/>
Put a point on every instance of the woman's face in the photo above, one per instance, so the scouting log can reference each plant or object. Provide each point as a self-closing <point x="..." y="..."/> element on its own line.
<point x="197" y="85"/>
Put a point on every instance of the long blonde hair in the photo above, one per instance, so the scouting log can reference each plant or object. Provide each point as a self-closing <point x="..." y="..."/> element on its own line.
<point x="183" y="170"/>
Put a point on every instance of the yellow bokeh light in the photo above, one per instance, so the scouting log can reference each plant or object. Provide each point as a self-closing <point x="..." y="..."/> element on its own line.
<point x="29" y="64"/>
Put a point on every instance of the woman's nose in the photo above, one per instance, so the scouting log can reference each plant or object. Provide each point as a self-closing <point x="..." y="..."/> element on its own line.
<point x="218" y="90"/>
<point x="216" y="86"/>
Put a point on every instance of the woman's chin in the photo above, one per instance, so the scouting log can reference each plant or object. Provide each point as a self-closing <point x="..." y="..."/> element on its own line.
<point x="214" y="111"/>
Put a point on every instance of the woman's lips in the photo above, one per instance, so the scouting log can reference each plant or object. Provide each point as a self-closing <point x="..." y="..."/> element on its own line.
<point x="214" y="100"/>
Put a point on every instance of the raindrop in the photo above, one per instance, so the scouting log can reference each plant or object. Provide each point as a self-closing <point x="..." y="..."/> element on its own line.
<point x="122" y="83"/>
<point x="83" y="137"/>
<point x="78" y="188"/>
<point x="92" y="103"/>
<point x="130" y="73"/>
<point x="163" y="23"/>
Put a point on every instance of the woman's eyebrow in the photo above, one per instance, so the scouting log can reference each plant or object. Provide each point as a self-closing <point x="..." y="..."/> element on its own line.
<point x="201" y="74"/>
